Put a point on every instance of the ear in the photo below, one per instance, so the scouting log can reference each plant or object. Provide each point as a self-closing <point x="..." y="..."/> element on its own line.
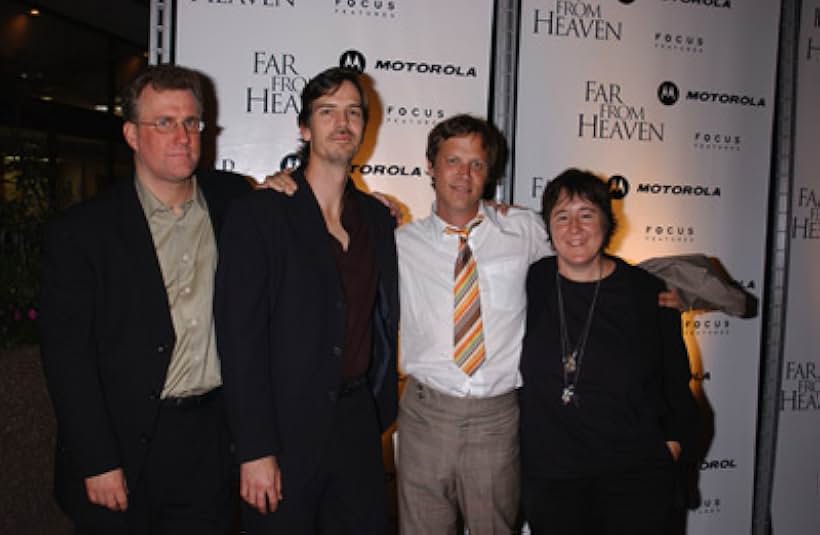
<point x="304" y="132"/>
<point x="129" y="132"/>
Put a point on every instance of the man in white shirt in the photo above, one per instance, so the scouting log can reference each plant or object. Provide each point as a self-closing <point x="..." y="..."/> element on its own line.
<point x="458" y="417"/>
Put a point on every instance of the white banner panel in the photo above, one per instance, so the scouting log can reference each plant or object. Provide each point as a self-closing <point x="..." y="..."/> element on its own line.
<point x="796" y="497"/>
<point x="674" y="100"/>
<point x="260" y="55"/>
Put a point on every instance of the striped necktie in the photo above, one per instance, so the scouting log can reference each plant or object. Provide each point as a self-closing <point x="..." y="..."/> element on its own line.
<point x="468" y="338"/>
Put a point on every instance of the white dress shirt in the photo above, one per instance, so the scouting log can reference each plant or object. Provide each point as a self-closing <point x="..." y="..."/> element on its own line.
<point x="504" y="246"/>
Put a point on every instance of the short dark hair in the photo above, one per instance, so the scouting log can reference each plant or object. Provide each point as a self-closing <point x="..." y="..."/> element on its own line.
<point x="583" y="184"/>
<point x="464" y="125"/>
<point x="162" y="78"/>
<point x="325" y="83"/>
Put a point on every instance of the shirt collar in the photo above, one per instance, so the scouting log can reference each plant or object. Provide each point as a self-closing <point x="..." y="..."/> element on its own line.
<point x="439" y="225"/>
<point x="151" y="205"/>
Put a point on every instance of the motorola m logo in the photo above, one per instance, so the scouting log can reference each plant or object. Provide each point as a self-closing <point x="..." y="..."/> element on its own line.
<point x="618" y="187"/>
<point x="668" y="93"/>
<point x="352" y="59"/>
<point x="290" y="161"/>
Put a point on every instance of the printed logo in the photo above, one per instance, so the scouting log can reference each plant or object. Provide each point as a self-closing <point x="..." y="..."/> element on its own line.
<point x="668" y="93"/>
<point x="381" y="169"/>
<point x="679" y="42"/>
<point x="415" y="115"/>
<point x="705" y="3"/>
<point x="717" y="464"/>
<point x="669" y="232"/>
<point x="352" y="59"/>
<point x="705" y="324"/>
<point x="708" y="506"/>
<point x="806" y="219"/>
<point x="614" y="117"/>
<point x="366" y="8"/>
<point x="801" y="386"/>
<point x="289" y="162"/>
<point x="618" y="187"/>
<point x="577" y="20"/>
<point x="420" y="67"/>
<point x="283" y="84"/>
<point x="716" y="141"/>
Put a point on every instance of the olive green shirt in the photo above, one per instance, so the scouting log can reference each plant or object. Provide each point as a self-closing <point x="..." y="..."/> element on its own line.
<point x="186" y="250"/>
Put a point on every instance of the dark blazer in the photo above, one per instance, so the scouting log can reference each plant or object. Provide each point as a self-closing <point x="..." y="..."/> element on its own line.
<point x="106" y="332"/>
<point x="280" y="318"/>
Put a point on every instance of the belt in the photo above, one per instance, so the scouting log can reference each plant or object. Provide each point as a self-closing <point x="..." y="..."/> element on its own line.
<point x="349" y="387"/>
<point x="189" y="402"/>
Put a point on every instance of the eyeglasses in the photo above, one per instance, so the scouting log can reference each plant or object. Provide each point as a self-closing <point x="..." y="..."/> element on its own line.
<point x="166" y="125"/>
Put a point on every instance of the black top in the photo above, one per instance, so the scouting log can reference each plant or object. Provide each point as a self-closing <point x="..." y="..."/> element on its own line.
<point x="632" y="388"/>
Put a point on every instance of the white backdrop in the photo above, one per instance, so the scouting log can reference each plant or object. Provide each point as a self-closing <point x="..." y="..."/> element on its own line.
<point x="674" y="100"/>
<point x="261" y="54"/>
<point x="796" y="496"/>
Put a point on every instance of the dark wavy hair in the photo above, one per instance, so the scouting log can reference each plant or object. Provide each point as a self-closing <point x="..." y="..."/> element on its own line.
<point x="162" y="77"/>
<point x="583" y="184"/>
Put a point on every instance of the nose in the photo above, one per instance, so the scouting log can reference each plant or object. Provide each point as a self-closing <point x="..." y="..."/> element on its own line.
<point x="181" y="134"/>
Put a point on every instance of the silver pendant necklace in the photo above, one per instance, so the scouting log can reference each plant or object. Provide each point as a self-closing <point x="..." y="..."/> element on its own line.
<point x="571" y="360"/>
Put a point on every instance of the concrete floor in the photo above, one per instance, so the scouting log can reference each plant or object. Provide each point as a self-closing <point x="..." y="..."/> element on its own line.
<point x="27" y="431"/>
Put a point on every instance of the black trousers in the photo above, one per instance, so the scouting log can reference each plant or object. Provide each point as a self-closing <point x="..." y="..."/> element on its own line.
<point x="346" y="495"/>
<point x="187" y="484"/>
<point x="630" y="503"/>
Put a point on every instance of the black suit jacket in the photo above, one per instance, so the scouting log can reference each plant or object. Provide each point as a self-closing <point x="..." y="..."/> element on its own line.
<point x="280" y="318"/>
<point x="106" y="332"/>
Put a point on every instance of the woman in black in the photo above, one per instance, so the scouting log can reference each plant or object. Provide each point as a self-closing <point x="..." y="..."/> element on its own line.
<point x="606" y="410"/>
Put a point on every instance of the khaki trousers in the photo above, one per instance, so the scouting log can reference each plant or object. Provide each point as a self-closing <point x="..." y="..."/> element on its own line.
<point x="457" y="456"/>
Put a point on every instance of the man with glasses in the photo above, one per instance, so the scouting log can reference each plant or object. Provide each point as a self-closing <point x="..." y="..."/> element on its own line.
<point x="128" y="340"/>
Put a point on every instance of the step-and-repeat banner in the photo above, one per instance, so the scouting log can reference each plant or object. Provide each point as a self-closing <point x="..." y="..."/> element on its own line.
<point x="261" y="54"/>
<point x="796" y="497"/>
<point x="673" y="101"/>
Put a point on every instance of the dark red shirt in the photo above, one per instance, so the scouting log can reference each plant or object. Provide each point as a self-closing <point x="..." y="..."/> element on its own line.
<point x="357" y="271"/>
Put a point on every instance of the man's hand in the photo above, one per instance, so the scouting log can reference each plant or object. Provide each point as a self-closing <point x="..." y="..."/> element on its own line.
<point x="260" y="484"/>
<point x="500" y="207"/>
<point x="674" y="449"/>
<point x="670" y="299"/>
<point x="108" y="490"/>
<point x="393" y="206"/>
<point x="281" y="182"/>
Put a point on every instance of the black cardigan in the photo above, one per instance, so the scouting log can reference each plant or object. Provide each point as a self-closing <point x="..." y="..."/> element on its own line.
<point x="633" y="387"/>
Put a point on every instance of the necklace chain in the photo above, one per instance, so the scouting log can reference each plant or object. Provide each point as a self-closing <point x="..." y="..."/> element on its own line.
<point x="571" y="361"/>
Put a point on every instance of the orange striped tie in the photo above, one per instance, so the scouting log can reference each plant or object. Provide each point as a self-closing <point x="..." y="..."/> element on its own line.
<point x="468" y="339"/>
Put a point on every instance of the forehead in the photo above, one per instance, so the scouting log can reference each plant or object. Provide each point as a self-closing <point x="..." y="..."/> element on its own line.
<point x="567" y="201"/>
<point x="344" y="94"/>
<point x="467" y="144"/>
<point x="181" y="101"/>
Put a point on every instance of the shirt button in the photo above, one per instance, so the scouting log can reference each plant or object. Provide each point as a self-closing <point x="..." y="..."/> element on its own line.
<point x="337" y="351"/>
<point x="193" y="322"/>
<point x="185" y="258"/>
<point x="161" y="348"/>
<point x="186" y="290"/>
